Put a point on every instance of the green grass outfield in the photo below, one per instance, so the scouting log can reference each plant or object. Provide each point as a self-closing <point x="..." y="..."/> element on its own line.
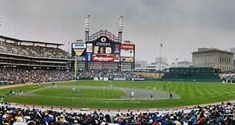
<point x="190" y="94"/>
<point x="81" y="93"/>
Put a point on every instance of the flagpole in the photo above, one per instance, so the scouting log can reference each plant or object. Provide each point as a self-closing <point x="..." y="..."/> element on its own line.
<point x="160" y="59"/>
<point x="160" y="65"/>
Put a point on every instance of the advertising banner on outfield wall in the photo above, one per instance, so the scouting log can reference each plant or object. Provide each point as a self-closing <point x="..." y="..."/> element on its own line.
<point x="89" y="57"/>
<point x="137" y="79"/>
<point x="103" y="59"/>
<point x="78" y="51"/>
<point x="127" y="46"/>
<point x="119" y="79"/>
<point x="127" y="59"/>
<point x="117" y="48"/>
<point x="81" y="58"/>
<point x="127" y="53"/>
<point x="89" y="47"/>
<point x="79" y="45"/>
<point x="96" y="78"/>
<point x="116" y="58"/>
<point x="127" y="50"/>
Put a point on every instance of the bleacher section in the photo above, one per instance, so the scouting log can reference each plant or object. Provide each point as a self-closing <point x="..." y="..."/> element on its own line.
<point x="192" y="74"/>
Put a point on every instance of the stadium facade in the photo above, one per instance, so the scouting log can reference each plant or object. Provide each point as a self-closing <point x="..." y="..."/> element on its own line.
<point x="103" y="50"/>
<point x="232" y="50"/>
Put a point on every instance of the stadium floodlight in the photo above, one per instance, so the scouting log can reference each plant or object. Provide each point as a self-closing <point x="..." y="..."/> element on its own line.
<point x="120" y="24"/>
<point x="120" y="28"/>
<point x="87" y="28"/>
<point x="87" y="23"/>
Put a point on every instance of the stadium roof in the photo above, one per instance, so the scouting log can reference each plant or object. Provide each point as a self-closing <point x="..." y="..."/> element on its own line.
<point x="28" y="41"/>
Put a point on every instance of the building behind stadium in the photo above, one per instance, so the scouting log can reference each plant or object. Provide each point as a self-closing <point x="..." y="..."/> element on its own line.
<point x="215" y="58"/>
<point x="232" y="50"/>
<point x="103" y="50"/>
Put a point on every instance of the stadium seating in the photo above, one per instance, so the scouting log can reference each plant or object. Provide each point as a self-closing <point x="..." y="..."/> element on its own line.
<point x="20" y="75"/>
<point x="220" y="114"/>
<point x="35" y="51"/>
<point x="192" y="74"/>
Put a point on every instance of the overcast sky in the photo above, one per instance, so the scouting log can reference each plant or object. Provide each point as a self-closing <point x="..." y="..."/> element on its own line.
<point x="181" y="25"/>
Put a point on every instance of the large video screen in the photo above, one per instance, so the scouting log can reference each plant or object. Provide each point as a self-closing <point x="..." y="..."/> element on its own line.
<point x="103" y="50"/>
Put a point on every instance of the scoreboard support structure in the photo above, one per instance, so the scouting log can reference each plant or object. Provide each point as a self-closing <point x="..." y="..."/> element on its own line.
<point x="103" y="50"/>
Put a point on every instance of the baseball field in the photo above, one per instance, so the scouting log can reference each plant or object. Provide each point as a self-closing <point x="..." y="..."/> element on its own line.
<point x="120" y="94"/>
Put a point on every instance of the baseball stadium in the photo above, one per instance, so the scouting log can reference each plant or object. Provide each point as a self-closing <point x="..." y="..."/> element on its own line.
<point x="98" y="84"/>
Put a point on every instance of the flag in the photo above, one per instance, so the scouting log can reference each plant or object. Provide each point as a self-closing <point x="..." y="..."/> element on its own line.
<point x="161" y="44"/>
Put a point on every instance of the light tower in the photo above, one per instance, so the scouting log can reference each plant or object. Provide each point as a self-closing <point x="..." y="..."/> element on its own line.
<point x="87" y="28"/>
<point x="120" y="28"/>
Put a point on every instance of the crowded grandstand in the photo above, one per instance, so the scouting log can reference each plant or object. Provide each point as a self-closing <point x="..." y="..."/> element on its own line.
<point x="24" y="61"/>
<point x="217" y="114"/>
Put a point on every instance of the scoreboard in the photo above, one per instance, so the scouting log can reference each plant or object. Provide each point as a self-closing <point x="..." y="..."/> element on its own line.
<point x="104" y="52"/>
